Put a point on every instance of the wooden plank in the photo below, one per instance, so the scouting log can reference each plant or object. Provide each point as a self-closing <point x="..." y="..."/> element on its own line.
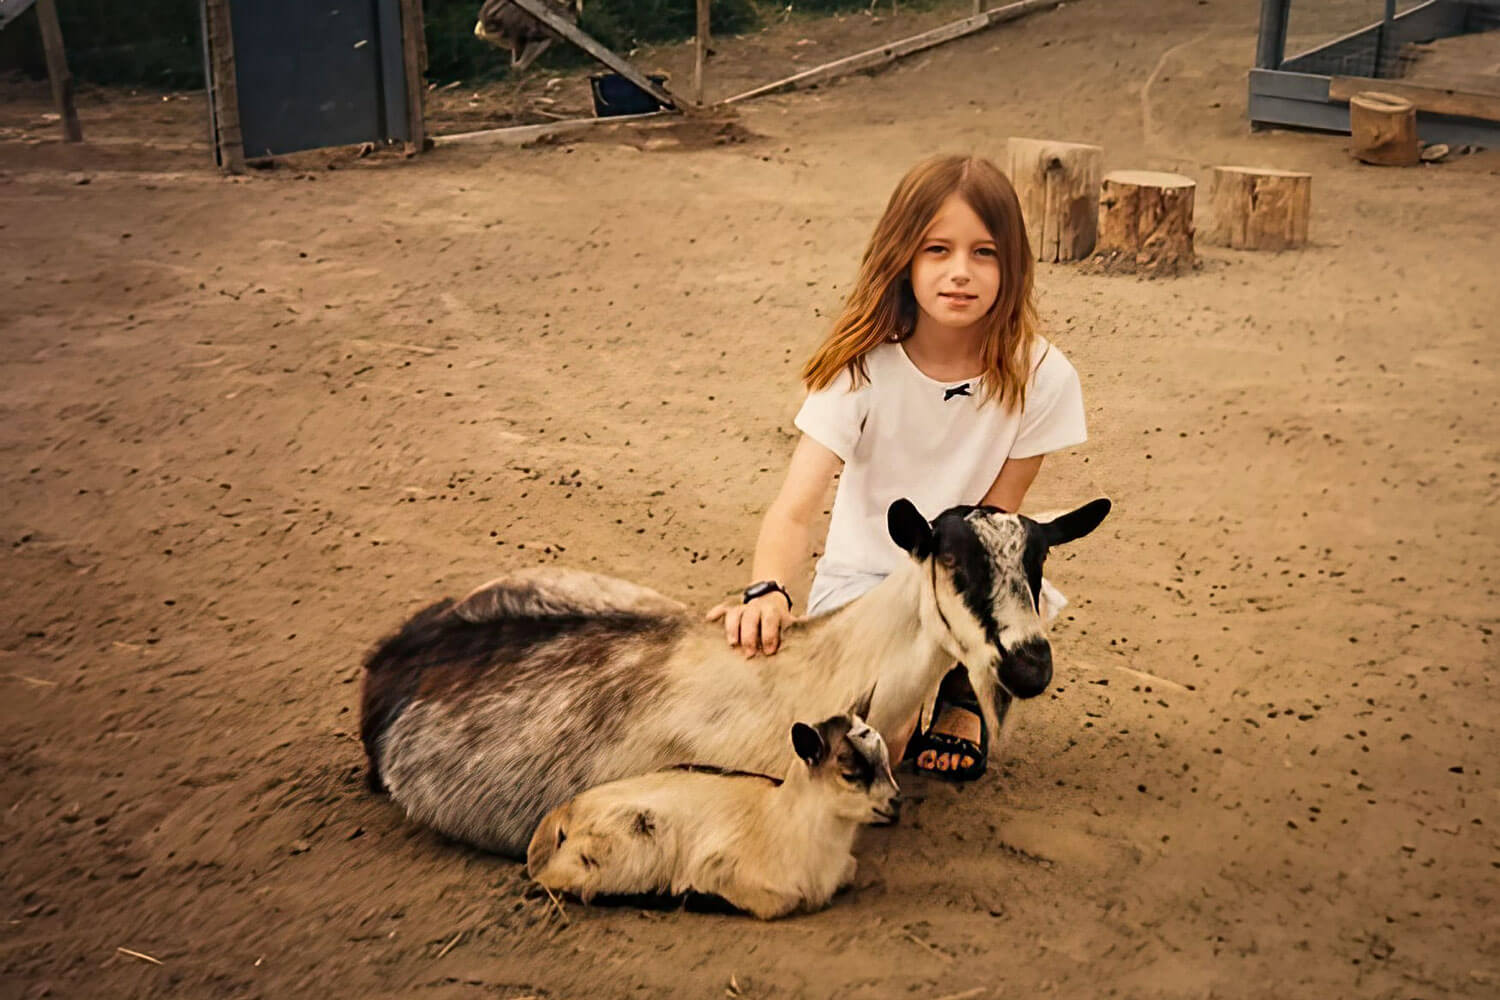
<point x="521" y="135"/>
<point x="229" y="142"/>
<point x="1439" y="100"/>
<point x="576" y="35"/>
<point x="57" y="70"/>
<point x="700" y="52"/>
<point x="872" y="58"/>
<point x="12" y="9"/>
<point x="414" y="65"/>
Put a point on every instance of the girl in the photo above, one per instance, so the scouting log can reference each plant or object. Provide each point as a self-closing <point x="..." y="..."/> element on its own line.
<point x="932" y="385"/>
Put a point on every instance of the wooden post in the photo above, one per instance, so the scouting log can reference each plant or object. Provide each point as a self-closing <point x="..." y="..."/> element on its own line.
<point x="1146" y="220"/>
<point x="229" y="141"/>
<point x="1384" y="128"/>
<point x="1259" y="209"/>
<point x="57" y="70"/>
<point x="701" y="53"/>
<point x="414" y="66"/>
<point x="1058" y="185"/>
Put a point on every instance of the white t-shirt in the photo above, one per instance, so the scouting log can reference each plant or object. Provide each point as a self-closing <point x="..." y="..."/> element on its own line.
<point x="902" y="434"/>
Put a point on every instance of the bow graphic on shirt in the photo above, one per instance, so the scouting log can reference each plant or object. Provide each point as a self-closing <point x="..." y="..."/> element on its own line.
<point x="958" y="390"/>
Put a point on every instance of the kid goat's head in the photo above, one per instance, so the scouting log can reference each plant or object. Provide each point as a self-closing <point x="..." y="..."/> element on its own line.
<point x="852" y="760"/>
<point x="983" y="576"/>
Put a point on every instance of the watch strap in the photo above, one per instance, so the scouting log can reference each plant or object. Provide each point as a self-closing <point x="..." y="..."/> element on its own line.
<point x="763" y="587"/>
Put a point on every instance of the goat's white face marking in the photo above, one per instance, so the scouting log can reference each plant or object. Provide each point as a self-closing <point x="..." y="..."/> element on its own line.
<point x="1012" y="599"/>
<point x="986" y="573"/>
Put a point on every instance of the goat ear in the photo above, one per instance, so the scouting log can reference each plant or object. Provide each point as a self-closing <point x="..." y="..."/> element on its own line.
<point x="808" y="743"/>
<point x="909" y="529"/>
<point x="861" y="706"/>
<point x="1075" y="524"/>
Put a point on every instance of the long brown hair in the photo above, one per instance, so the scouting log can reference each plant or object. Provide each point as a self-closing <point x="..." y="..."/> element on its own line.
<point x="882" y="308"/>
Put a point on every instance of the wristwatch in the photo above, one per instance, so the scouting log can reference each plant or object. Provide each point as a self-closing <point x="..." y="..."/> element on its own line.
<point x="765" y="587"/>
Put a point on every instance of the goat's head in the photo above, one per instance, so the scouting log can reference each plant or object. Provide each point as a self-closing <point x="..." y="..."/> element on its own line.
<point x="983" y="578"/>
<point x="851" y="759"/>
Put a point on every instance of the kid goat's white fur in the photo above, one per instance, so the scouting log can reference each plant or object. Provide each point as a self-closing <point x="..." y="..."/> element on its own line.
<point x="767" y="846"/>
<point x="482" y="715"/>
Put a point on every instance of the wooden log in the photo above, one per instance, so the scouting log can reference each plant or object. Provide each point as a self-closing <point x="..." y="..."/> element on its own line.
<point x="1058" y="185"/>
<point x="57" y="70"/>
<point x="1259" y="208"/>
<point x="1384" y="128"/>
<point x="1146" y="221"/>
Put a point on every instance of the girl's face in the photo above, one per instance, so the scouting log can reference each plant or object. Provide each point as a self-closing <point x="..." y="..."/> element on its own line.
<point x="955" y="275"/>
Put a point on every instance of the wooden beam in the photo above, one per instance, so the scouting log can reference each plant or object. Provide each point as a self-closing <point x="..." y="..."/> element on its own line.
<point x="872" y="58"/>
<point x="414" y="66"/>
<point x="57" y="70"/>
<point x="700" y="52"/>
<point x="12" y="9"/>
<point x="1437" y="100"/>
<point x="567" y="29"/>
<point x="229" y="141"/>
<point x="521" y="135"/>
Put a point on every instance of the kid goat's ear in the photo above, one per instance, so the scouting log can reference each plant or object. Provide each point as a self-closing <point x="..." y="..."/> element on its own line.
<point x="1075" y="524"/>
<point x="808" y="743"/>
<point x="909" y="529"/>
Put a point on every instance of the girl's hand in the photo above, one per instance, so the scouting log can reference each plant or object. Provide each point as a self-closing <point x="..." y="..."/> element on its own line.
<point x="755" y="627"/>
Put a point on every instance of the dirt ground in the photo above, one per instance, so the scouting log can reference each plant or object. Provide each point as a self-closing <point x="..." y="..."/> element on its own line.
<point x="250" y="424"/>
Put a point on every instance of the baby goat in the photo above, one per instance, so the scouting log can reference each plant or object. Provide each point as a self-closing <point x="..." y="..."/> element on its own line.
<point x="765" y="845"/>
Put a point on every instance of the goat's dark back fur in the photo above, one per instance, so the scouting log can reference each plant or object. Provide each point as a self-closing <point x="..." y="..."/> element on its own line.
<point x="493" y="643"/>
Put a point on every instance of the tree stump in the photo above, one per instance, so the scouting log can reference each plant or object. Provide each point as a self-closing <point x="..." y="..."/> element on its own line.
<point x="1146" y="221"/>
<point x="1058" y="184"/>
<point x="1259" y="209"/>
<point x="1384" y="128"/>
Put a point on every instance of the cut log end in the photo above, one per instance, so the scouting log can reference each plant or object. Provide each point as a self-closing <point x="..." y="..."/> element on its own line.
<point x="1383" y="128"/>
<point x="1146" y="222"/>
<point x="1057" y="184"/>
<point x="1257" y="208"/>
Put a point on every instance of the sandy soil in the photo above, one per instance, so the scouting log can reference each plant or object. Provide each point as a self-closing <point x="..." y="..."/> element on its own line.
<point x="248" y="425"/>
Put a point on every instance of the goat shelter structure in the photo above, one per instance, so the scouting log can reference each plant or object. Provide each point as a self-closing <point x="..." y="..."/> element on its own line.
<point x="1442" y="55"/>
<point x="289" y="75"/>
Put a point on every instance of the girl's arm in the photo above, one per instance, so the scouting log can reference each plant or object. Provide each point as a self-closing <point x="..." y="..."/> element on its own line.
<point x="780" y="549"/>
<point x="1010" y="486"/>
